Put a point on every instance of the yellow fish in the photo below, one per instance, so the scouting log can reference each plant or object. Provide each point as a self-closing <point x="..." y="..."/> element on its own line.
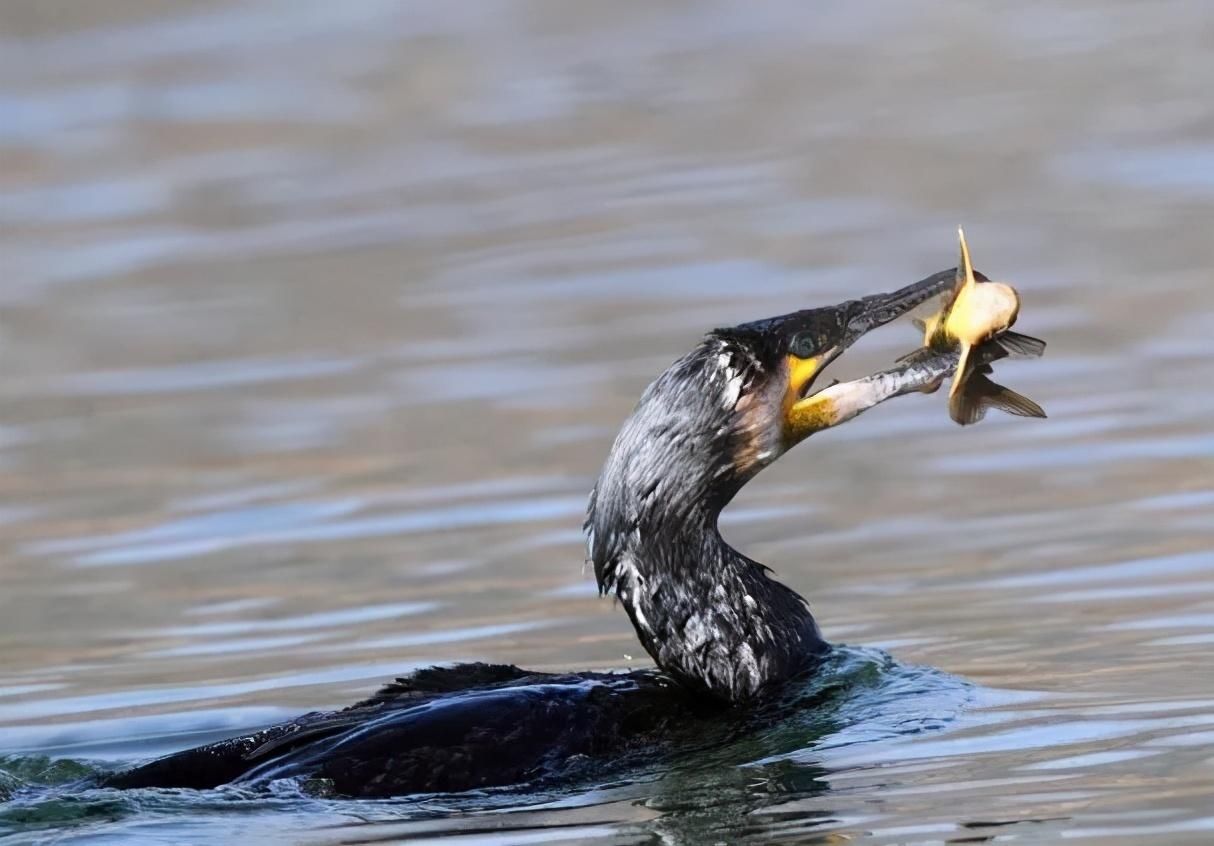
<point x="977" y="317"/>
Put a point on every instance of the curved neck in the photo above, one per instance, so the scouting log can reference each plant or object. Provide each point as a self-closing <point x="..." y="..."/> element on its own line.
<point x="710" y="616"/>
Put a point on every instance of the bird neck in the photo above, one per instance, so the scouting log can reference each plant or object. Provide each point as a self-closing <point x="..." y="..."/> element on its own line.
<point x="710" y="616"/>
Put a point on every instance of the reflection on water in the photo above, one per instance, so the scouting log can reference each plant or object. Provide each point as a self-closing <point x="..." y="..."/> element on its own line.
<point x="317" y="320"/>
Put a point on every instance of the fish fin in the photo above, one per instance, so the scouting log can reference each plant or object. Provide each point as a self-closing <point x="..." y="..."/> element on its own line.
<point x="1019" y="345"/>
<point x="987" y="352"/>
<point x="981" y="393"/>
<point x="1005" y="399"/>
<point x="967" y="406"/>
<point x="963" y="276"/>
<point x="965" y="269"/>
<point x="961" y="375"/>
<point x="932" y="386"/>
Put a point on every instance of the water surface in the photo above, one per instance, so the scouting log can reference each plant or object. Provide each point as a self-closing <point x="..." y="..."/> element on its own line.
<point x="317" y="319"/>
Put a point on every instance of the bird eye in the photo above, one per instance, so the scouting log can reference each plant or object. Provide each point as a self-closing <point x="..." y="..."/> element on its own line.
<point x="804" y="345"/>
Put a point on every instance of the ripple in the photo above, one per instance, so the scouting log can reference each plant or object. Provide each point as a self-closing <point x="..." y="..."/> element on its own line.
<point x="234" y="646"/>
<point x="200" y="376"/>
<point x="1080" y="455"/>
<point x="458" y="635"/>
<point x="100" y="702"/>
<point x="1144" y="569"/>
<point x="317" y="620"/>
<point x="291" y="523"/>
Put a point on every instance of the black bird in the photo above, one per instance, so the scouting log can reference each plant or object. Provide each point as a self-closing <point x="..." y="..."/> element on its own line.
<point x="726" y="637"/>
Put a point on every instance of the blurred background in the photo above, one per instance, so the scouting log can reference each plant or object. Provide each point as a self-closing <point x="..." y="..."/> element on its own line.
<point x="317" y="320"/>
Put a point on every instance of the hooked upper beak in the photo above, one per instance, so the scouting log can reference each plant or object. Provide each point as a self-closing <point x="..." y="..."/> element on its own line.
<point x="872" y="312"/>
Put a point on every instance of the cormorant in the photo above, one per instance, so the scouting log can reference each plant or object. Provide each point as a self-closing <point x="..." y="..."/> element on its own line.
<point x="726" y="637"/>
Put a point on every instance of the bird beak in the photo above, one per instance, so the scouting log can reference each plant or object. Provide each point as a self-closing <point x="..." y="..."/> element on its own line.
<point x="805" y="412"/>
<point x="872" y="312"/>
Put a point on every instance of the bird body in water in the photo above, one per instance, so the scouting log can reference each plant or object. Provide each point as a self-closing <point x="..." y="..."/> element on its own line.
<point x="726" y="637"/>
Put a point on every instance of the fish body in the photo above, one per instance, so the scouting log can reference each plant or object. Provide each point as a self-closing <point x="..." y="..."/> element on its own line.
<point x="977" y="318"/>
<point x="978" y="311"/>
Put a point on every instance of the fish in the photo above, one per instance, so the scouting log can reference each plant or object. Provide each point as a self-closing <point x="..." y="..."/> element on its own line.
<point x="979" y="392"/>
<point x="976" y="318"/>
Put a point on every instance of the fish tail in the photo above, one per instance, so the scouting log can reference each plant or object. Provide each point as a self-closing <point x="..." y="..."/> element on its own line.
<point x="981" y="393"/>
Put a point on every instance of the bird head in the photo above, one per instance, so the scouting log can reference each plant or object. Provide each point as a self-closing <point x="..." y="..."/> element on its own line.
<point x="739" y="400"/>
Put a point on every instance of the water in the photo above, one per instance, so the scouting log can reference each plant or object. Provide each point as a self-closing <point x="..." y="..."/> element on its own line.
<point x="316" y="321"/>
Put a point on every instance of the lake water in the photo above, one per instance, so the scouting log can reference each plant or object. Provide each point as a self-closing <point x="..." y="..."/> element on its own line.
<point x="317" y="320"/>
